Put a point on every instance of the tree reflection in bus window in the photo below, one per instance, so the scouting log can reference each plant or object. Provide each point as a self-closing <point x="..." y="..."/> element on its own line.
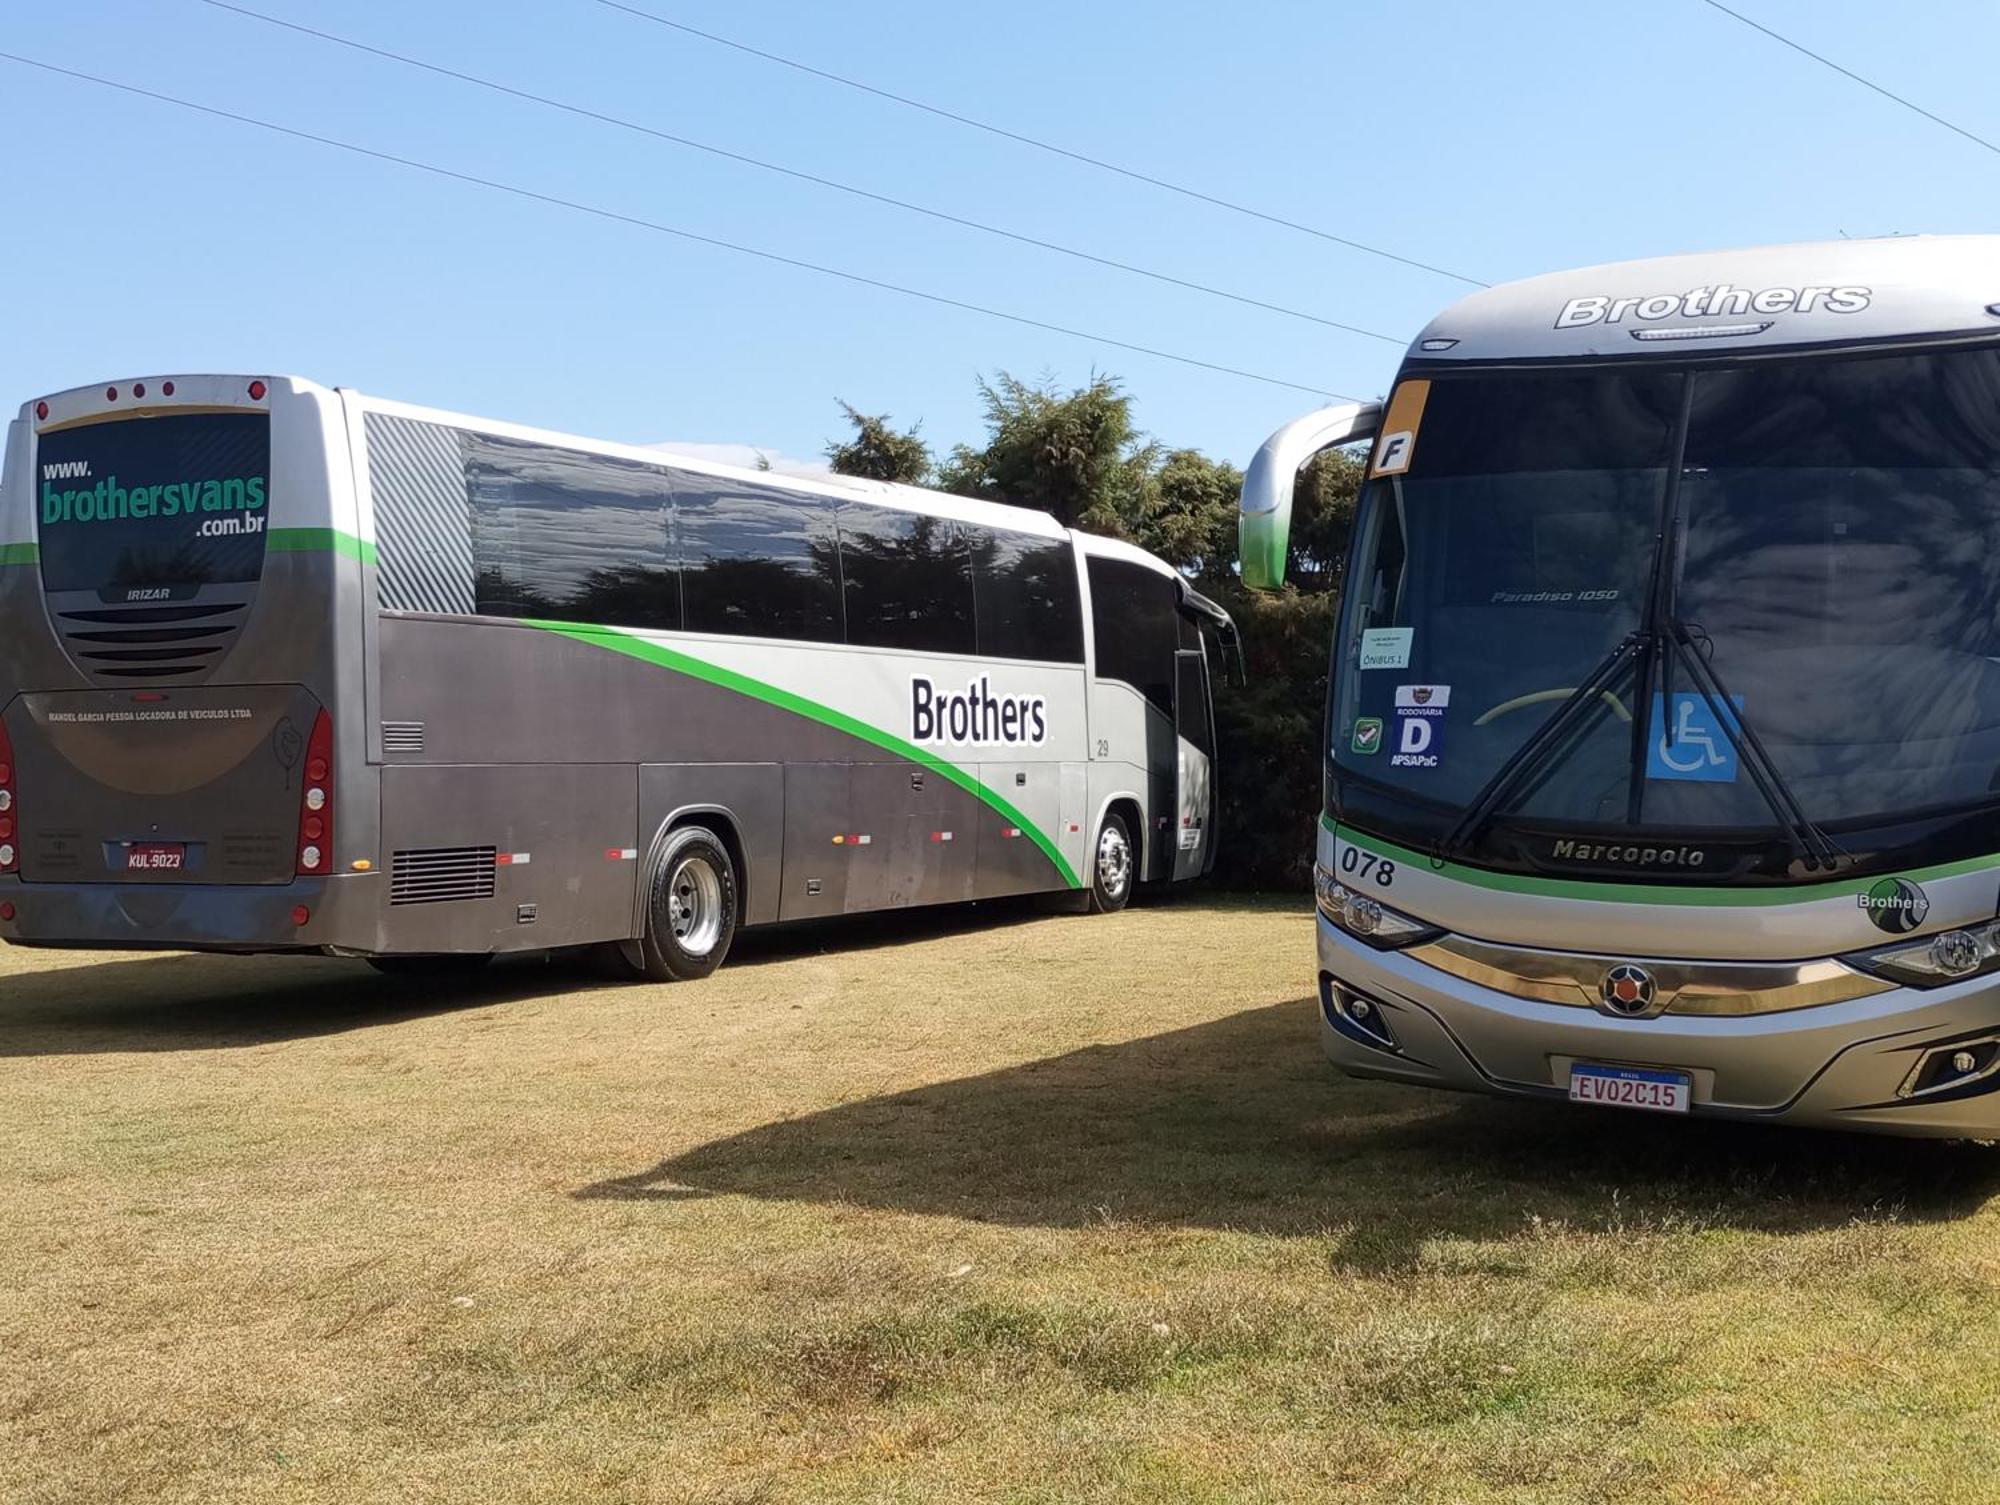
<point x="1025" y="598"/>
<point x="568" y="536"/>
<point x="756" y="561"/>
<point x="908" y="579"/>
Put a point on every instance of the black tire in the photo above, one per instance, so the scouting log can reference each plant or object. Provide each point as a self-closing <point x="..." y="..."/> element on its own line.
<point x="1114" y="866"/>
<point x="693" y="905"/>
<point x="443" y="965"/>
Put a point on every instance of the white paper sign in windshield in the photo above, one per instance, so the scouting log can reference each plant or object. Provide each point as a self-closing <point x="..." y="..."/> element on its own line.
<point x="1386" y="647"/>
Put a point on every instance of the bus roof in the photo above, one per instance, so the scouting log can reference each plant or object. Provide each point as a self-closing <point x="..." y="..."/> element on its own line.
<point x="1721" y="303"/>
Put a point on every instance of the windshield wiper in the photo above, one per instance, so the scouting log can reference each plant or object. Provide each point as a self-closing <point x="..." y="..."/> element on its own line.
<point x="1534" y="751"/>
<point x="1678" y="641"/>
<point x="1807" y="837"/>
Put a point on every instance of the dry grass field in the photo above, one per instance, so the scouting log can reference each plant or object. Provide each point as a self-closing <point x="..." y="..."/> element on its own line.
<point x="977" y="1206"/>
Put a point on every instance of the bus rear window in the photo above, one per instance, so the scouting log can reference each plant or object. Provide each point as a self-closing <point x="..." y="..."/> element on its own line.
<point x="162" y="504"/>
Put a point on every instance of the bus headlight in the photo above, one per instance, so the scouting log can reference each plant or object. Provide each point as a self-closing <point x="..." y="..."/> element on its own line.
<point x="1365" y="917"/>
<point x="1948" y="957"/>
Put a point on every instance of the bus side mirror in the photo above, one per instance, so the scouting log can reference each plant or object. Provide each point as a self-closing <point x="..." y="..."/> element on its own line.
<point x="1264" y="513"/>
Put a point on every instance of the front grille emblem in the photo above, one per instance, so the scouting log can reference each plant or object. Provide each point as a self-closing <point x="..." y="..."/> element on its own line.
<point x="1627" y="989"/>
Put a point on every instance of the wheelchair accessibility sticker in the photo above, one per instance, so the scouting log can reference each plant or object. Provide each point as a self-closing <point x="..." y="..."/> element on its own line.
<point x="1700" y="751"/>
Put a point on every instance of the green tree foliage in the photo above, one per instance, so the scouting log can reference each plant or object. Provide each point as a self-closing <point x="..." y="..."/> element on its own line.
<point x="878" y="452"/>
<point x="1076" y="455"/>
<point x="1080" y="455"/>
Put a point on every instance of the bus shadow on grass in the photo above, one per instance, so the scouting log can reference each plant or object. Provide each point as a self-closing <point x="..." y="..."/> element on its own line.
<point x="180" y="1001"/>
<point x="176" y="1001"/>
<point x="1240" y="1124"/>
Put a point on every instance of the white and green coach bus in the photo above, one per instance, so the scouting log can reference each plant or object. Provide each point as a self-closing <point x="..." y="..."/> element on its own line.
<point x="285" y="667"/>
<point x="1662" y="747"/>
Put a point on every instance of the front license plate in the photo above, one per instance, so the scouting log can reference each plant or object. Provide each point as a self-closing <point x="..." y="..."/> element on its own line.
<point x="155" y="856"/>
<point x="1631" y="1087"/>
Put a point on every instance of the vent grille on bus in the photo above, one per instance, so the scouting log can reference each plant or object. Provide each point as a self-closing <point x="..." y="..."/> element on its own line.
<point x="402" y="736"/>
<point x="438" y="875"/>
<point x="150" y="642"/>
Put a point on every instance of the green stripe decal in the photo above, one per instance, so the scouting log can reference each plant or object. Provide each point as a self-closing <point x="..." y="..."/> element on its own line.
<point x="1649" y="893"/>
<point x="659" y="654"/>
<point x="281" y="541"/>
<point x="321" y="541"/>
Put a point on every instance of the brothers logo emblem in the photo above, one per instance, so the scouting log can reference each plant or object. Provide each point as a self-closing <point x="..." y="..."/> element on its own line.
<point x="1895" y="905"/>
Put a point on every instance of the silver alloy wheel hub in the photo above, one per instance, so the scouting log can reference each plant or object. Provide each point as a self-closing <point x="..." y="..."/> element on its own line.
<point x="694" y="905"/>
<point x="1114" y="861"/>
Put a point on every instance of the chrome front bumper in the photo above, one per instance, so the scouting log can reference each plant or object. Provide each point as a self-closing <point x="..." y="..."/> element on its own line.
<point x="1846" y="1064"/>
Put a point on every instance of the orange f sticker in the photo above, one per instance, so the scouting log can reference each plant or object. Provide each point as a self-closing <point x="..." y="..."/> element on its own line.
<point x="1398" y="445"/>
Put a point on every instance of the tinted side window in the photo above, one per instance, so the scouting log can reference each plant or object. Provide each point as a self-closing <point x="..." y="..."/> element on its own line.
<point x="756" y="561"/>
<point x="557" y="533"/>
<point x="1025" y="596"/>
<point x="1194" y="716"/>
<point x="909" y="580"/>
<point x="1135" y="628"/>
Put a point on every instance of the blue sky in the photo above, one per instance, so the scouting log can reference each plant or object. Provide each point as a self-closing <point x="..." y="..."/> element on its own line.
<point x="1497" y="140"/>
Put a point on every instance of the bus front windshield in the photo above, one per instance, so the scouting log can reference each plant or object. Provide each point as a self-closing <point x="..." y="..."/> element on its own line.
<point x="1832" y="548"/>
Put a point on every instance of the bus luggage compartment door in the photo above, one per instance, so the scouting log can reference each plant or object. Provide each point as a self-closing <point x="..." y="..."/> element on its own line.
<point x="1194" y="794"/>
<point x="194" y="785"/>
<point x="509" y="857"/>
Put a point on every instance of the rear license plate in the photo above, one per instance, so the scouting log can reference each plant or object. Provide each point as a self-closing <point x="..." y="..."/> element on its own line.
<point x="1631" y="1087"/>
<point x="155" y="856"/>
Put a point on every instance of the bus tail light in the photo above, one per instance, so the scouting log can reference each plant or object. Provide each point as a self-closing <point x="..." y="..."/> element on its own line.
<point x="10" y="814"/>
<point x="316" y="802"/>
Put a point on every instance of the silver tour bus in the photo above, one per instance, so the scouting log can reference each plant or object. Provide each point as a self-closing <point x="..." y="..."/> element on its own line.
<point x="1662" y="746"/>
<point x="285" y="667"/>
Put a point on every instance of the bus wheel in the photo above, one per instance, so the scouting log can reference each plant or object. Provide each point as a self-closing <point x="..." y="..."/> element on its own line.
<point x="691" y="912"/>
<point x="1111" y="868"/>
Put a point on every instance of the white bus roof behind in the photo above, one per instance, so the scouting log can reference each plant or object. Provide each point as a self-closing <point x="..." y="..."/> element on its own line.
<point x="1721" y="303"/>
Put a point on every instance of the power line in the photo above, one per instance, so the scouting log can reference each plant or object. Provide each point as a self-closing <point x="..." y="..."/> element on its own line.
<point x="733" y="156"/>
<point x="658" y="228"/>
<point x="1040" y="145"/>
<point x="1827" y="62"/>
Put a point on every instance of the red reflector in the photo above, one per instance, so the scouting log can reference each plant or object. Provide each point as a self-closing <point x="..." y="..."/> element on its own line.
<point x="147" y="697"/>
<point x="110" y="394"/>
<point x="257" y="391"/>
<point x="138" y="389"/>
<point x="316" y="769"/>
<point x="301" y="914"/>
<point x="314" y="828"/>
<point x="167" y="387"/>
<point x="7" y="910"/>
<point x="6" y="773"/>
<point x="41" y="410"/>
<point x="6" y="826"/>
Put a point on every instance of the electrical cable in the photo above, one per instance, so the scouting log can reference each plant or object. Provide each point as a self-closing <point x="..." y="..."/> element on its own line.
<point x="1041" y="145"/>
<point x="1827" y="62"/>
<point x="848" y="188"/>
<point x="658" y="228"/>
